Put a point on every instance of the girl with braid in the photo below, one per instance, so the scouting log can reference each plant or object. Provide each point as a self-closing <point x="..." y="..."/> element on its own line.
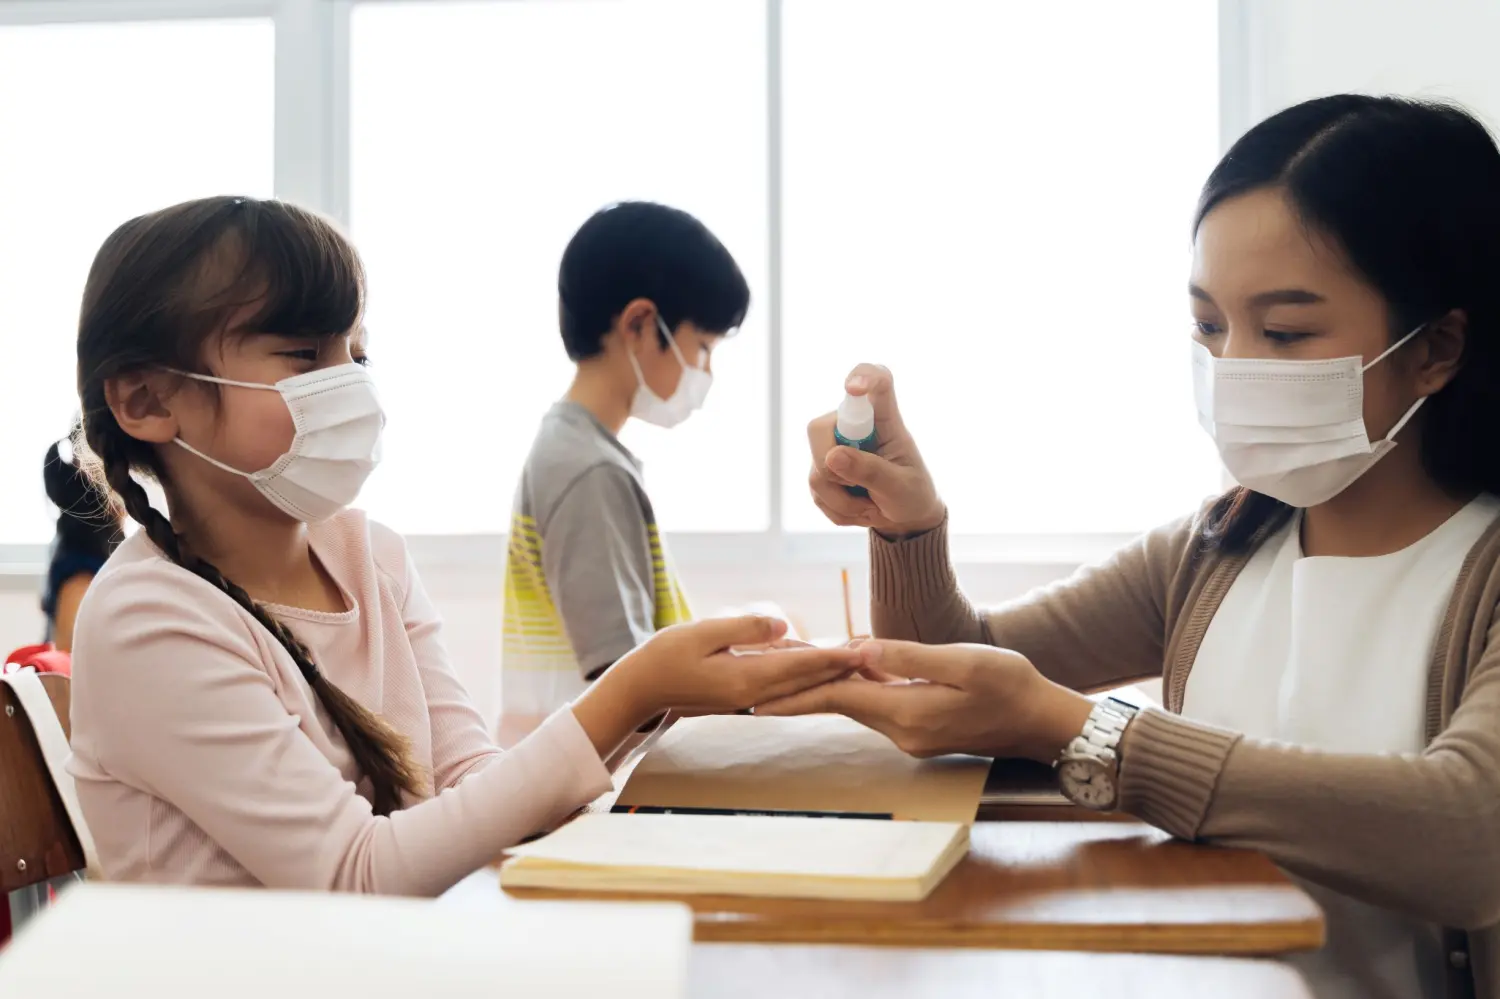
<point x="261" y="692"/>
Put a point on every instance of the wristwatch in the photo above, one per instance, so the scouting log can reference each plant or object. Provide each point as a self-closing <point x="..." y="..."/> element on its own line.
<point x="1088" y="771"/>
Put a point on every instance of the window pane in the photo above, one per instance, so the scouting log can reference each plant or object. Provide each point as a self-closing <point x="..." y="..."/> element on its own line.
<point x="996" y="204"/>
<point x="482" y="136"/>
<point x="100" y="122"/>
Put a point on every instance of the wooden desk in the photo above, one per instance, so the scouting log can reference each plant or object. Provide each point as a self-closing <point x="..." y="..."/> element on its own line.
<point x="1093" y="886"/>
<point x="725" y="971"/>
<point x="757" y="971"/>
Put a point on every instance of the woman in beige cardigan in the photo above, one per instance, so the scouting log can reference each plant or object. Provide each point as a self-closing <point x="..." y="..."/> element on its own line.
<point x="1325" y="631"/>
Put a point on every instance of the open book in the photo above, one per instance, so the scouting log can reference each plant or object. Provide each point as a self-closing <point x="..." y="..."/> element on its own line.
<point x="783" y="857"/>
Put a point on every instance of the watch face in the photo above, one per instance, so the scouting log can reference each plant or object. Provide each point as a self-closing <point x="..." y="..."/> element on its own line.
<point x="1089" y="783"/>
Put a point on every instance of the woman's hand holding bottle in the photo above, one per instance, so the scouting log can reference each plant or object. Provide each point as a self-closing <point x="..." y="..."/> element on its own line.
<point x="902" y="500"/>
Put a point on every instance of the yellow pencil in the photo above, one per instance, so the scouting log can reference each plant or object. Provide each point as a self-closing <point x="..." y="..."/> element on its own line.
<point x="848" y="610"/>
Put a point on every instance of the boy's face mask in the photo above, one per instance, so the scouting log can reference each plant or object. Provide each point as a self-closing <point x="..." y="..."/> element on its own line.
<point x="336" y="445"/>
<point x="692" y="389"/>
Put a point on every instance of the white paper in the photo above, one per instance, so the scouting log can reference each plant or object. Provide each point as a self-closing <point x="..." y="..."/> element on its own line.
<point x="184" y="943"/>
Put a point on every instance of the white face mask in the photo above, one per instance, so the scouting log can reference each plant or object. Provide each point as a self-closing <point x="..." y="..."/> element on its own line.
<point x="1293" y="430"/>
<point x="335" y="448"/>
<point x="692" y="389"/>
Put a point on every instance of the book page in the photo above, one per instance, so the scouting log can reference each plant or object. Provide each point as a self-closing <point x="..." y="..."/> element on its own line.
<point x="789" y="847"/>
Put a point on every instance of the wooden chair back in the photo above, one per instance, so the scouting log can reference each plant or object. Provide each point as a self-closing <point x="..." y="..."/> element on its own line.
<point x="37" y="842"/>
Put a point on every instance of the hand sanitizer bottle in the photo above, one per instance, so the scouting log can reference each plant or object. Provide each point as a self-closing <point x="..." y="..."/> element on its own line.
<point x="855" y="427"/>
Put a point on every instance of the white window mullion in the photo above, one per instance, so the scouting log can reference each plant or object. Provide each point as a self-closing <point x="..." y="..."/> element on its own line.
<point x="773" y="268"/>
<point x="1234" y="71"/>
<point x="312" y="105"/>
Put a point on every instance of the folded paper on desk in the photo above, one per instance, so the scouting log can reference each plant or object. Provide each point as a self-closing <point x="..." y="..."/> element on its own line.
<point x="819" y="764"/>
<point x="860" y="859"/>
<point x="188" y="943"/>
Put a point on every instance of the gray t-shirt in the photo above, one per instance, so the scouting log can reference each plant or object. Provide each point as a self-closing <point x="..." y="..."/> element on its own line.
<point x="587" y="576"/>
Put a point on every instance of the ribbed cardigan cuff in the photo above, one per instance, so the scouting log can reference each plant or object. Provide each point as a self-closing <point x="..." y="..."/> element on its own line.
<point x="1169" y="769"/>
<point x="913" y="571"/>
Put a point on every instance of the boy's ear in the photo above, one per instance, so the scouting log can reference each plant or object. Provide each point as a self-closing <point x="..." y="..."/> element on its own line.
<point x="140" y="403"/>
<point x="638" y="319"/>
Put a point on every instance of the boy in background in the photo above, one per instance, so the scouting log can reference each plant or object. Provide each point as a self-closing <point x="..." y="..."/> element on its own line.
<point x="645" y="293"/>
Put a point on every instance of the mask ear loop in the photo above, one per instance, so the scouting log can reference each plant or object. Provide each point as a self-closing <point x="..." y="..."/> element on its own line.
<point x="702" y="364"/>
<point x="671" y="340"/>
<point x="1393" y="348"/>
<point x="223" y="381"/>
<point x="1406" y="417"/>
<point x="252" y="476"/>
<point x="640" y="376"/>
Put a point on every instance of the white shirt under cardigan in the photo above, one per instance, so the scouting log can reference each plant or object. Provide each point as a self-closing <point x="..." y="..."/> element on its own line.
<point x="1334" y="654"/>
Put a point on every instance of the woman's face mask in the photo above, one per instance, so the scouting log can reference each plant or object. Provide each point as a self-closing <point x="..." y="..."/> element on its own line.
<point x="1295" y="359"/>
<point x="1293" y="430"/>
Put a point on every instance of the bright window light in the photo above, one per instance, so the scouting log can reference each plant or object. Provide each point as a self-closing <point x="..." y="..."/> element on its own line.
<point x="482" y="136"/>
<point x="994" y="200"/>
<point x="98" y="123"/>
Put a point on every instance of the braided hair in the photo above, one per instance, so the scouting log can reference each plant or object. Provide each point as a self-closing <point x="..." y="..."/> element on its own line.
<point x="86" y="522"/>
<point x="160" y="287"/>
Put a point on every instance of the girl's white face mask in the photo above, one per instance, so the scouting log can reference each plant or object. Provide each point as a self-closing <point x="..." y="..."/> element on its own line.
<point x="1293" y="430"/>
<point x="336" y="446"/>
<point x="692" y="389"/>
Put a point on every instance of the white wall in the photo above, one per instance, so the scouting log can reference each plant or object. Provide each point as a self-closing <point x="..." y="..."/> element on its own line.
<point x="1298" y="49"/>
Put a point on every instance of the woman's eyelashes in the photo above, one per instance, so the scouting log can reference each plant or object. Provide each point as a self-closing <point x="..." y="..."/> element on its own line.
<point x="1285" y="336"/>
<point x="1207" y="330"/>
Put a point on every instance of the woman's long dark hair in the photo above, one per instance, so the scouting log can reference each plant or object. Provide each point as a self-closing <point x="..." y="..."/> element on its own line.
<point x="160" y="287"/>
<point x="1410" y="193"/>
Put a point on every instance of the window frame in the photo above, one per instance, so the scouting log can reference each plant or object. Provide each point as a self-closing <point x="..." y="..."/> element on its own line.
<point x="312" y="167"/>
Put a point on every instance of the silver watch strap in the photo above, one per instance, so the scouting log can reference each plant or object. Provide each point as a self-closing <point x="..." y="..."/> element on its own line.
<point x="1100" y="738"/>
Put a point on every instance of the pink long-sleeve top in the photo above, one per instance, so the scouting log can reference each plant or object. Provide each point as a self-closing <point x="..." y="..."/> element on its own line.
<point x="202" y="757"/>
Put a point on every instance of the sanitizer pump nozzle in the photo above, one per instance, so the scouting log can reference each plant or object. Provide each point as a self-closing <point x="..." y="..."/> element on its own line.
<point x="855" y="427"/>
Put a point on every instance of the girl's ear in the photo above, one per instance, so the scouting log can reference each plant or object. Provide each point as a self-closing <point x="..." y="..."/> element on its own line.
<point x="140" y="404"/>
<point x="1443" y="343"/>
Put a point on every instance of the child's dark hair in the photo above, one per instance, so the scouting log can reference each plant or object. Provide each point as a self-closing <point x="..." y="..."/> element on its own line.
<point x="1409" y="191"/>
<point x="160" y="287"/>
<point x="637" y="249"/>
<point x="88" y="524"/>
